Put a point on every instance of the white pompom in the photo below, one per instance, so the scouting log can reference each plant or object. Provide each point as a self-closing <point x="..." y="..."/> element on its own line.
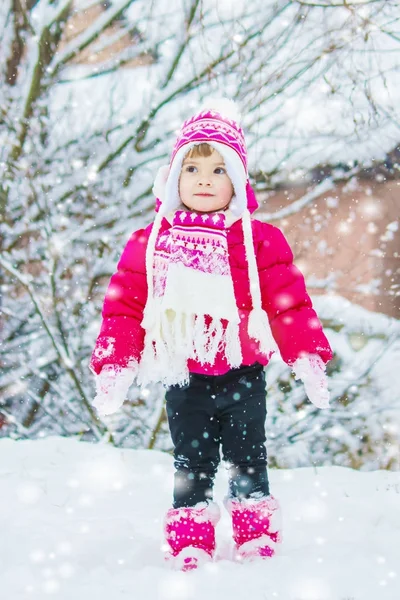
<point x="160" y="182"/>
<point x="224" y="106"/>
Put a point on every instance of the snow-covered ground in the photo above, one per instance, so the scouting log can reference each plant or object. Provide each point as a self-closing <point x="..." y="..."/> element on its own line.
<point x="83" y="521"/>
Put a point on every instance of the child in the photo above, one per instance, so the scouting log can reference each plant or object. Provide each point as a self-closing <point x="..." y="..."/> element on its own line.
<point x="200" y="301"/>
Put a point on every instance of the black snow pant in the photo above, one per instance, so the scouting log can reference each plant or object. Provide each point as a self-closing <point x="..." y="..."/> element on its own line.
<point x="226" y="411"/>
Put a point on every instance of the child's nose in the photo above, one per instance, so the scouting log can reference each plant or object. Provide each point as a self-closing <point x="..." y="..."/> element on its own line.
<point x="204" y="180"/>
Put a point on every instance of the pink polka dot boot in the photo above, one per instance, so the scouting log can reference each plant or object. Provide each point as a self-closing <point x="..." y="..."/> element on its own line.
<point x="257" y="528"/>
<point x="190" y="535"/>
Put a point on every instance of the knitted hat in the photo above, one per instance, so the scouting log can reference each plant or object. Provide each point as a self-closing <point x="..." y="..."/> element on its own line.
<point x="216" y="124"/>
<point x="219" y="128"/>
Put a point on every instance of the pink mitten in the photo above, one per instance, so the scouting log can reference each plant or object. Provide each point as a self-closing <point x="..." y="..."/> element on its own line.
<point x="112" y="385"/>
<point x="311" y="370"/>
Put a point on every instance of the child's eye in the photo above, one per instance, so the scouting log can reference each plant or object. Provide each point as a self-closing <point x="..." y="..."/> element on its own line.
<point x="191" y="169"/>
<point x="219" y="171"/>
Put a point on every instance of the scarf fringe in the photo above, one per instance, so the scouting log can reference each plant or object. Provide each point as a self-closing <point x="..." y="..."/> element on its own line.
<point x="176" y="337"/>
<point x="233" y="349"/>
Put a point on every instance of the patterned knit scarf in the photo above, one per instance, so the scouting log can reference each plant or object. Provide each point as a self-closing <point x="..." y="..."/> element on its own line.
<point x="193" y="312"/>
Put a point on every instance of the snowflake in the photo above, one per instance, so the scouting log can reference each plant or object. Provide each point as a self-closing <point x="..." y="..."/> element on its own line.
<point x="344" y="228"/>
<point x="371" y="208"/>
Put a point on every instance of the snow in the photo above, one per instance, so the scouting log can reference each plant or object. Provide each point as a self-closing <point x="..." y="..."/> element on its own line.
<point x="85" y="521"/>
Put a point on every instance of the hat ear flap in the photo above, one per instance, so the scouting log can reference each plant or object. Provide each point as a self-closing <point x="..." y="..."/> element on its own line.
<point x="235" y="207"/>
<point x="160" y="183"/>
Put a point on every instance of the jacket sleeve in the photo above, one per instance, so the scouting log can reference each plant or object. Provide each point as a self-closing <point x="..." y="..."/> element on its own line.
<point x="294" y="323"/>
<point x="121" y="338"/>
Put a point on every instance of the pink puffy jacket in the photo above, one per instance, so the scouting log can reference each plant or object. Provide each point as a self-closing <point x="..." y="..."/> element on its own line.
<point x="294" y="323"/>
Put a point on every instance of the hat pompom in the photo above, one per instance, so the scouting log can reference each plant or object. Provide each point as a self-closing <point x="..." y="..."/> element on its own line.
<point x="223" y="106"/>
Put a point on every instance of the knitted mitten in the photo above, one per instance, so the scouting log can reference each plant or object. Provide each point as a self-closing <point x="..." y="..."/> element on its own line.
<point x="311" y="370"/>
<point x="112" y="385"/>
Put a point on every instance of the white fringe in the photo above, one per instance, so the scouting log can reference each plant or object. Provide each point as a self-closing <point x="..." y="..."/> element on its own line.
<point x="172" y="338"/>
<point x="233" y="350"/>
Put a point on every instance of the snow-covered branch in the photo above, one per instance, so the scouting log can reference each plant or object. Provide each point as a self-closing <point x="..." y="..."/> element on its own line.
<point x="42" y="55"/>
<point x="298" y="205"/>
<point x="336" y="4"/>
<point x="180" y="50"/>
<point x="88" y="35"/>
<point x="63" y="357"/>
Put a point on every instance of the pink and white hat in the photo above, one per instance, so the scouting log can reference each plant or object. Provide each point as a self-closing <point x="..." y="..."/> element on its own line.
<point x="217" y="124"/>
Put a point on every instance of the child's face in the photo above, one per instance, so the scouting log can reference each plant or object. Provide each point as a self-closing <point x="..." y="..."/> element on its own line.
<point x="204" y="185"/>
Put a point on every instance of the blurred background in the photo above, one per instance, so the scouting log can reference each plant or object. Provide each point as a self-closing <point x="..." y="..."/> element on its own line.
<point x="91" y="97"/>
